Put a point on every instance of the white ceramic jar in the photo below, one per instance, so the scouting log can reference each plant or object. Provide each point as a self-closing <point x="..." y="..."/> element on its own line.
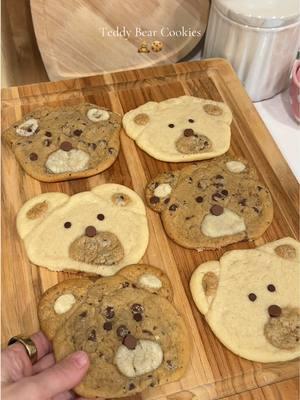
<point x="259" y="37"/>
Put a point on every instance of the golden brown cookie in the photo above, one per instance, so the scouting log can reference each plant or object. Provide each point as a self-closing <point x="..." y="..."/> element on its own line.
<point x="211" y="204"/>
<point x="58" y="144"/>
<point x="58" y="303"/>
<point x="135" y="340"/>
<point x="134" y="337"/>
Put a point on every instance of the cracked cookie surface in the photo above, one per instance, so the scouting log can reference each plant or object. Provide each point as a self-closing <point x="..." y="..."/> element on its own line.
<point x="135" y="338"/>
<point x="212" y="204"/>
<point x="57" y="144"/>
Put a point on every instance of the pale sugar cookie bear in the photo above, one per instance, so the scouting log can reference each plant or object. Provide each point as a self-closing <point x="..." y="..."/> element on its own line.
<point x="251" y="301"/>
<point x="211" y="204"/>
<point x="98" y="231"/>
<point x="181" y="129"/>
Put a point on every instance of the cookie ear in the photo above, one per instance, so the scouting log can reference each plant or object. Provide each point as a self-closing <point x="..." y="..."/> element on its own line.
<point x="159" y="190"/>
<point x="136" y="120"/>
<point x="204" y="284"/>
<point x="35" y="210"/>
<point x="59" y="301"/>
<point x="120" y="197"/>
<point x="148" y="278"/>
<point x="287" y="248"/>
<point x="218" y="110"/>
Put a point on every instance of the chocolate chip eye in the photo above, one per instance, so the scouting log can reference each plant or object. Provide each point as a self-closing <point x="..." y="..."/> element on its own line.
<point x="67" y="225"/>
<point x="191" y="121"/>
<point x="171" y="125"/>
<point x="271" y="288"/>
<point x="252" y="296"/>
<point x="100" y="217"/>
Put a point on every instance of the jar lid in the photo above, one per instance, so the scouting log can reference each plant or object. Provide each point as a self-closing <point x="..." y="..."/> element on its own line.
<point x="261" y="13"/>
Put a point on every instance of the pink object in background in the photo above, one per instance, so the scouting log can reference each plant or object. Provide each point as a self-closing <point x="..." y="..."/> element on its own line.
<point x="295" y="91"/>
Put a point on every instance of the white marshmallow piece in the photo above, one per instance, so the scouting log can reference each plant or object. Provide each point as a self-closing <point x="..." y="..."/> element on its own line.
<point x="28" y="128"/>
<point x="96" y="115"/>
<point x="61" y="161"/>
<point x="145" y="358"/>
<point x="64" y="303"/>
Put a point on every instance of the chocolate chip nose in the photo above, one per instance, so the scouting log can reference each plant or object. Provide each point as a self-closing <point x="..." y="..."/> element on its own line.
<point x="274" y="311"/>
<point x="188" y="132"/>
<point x="90" y="231"/>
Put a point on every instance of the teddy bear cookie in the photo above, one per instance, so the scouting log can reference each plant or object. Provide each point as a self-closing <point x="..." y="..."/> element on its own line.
<point x="212" y="204"/>
<point x="181" y="129"/>
<point x="251" y="300"/>
<point x="58" y="144"/>
<point x="99" y="231"/>
<point x="135" y="339"/>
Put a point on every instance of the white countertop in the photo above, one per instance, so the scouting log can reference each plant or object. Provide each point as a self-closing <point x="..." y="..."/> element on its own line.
<point x="284" y="129"/>
<point x="275" y="113"/>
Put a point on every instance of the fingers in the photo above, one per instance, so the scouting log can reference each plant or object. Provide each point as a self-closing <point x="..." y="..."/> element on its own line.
<point x="15" y="361"/>
<point x="46" y="362"/>
<point x="65" y="396"/>
<point x="59" y="378"/>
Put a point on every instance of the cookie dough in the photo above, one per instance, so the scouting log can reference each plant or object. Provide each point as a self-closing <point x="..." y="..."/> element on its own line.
<point x="58" y="144"/>
<point x="99" y="231"/>
<point x="181" y="129"/>
<point x="208" y="205"/>
<point x="251" y="301"/>
<point x="135" y="338"/>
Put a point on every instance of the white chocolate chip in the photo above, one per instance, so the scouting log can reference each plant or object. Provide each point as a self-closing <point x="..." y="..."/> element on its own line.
<point x="96" y="115"/>
<point x="163" y="190"/>
<point x="228" y="223"/>
<point x="67" y="161"/>
<point x="64" y="303"/>
<point x="145" y="358"/>
<point x="150" y="281"/>
<point x="235" y="166"/>
<point x="28" y="127"/>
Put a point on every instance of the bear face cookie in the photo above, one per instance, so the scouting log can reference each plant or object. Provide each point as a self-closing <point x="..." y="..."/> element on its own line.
<point x="181" y="129"/>
<point x="251" y="301"/>
<point x="99" y="231"/>
<point x="211" y="204"/>
<point x="58" y="144"/>
<point x="135" y="339"/>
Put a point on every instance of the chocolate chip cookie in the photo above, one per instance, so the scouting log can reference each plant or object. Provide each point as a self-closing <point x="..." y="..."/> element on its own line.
<point x="134" y="337"/>
<point x="211" y="204"/>
<point x="58" y="144"/>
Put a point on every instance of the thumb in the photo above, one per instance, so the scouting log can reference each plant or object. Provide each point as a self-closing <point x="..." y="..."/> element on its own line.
<point x="61" y="377"/>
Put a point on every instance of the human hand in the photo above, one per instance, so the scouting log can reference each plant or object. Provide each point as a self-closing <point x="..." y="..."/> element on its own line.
<point x="46" y="379"/>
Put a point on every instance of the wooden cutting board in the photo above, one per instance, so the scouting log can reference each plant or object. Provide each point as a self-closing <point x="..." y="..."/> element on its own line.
<point x="214" y="371"/>
<point x="84" y="37"/>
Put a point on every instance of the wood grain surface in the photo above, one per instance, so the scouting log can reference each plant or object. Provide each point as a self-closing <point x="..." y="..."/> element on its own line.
<point x="214" y="372"/>
<point x="75" y="37"/>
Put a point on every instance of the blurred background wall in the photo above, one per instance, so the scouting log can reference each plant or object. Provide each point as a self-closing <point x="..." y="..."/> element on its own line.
<point x="21" y="62"/>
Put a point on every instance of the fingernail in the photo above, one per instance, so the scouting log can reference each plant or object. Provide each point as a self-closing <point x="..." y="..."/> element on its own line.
<point x="80" y="359"/>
